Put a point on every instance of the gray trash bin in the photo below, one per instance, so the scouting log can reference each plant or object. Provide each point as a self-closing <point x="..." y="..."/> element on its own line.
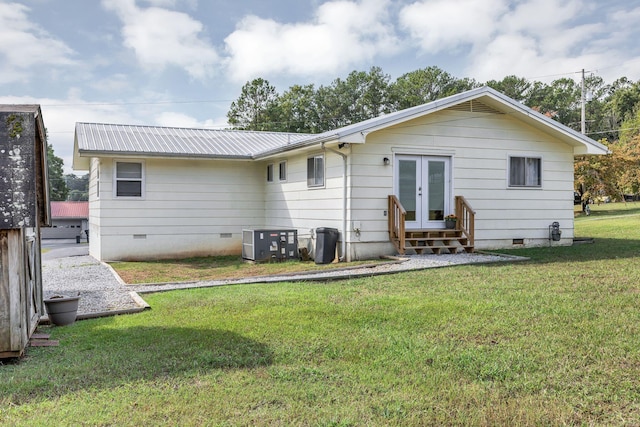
<point x="326" y="239"/>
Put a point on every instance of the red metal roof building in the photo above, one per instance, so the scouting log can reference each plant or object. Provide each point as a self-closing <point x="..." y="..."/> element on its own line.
<point x="68" y="221"/>
<point x="70" y="209"/>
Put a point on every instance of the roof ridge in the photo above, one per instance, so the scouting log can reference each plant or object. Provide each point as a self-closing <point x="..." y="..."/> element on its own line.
<point x="197" y="128"/>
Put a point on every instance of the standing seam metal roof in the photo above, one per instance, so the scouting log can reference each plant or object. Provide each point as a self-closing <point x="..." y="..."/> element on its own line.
<point x="126" y="139"/>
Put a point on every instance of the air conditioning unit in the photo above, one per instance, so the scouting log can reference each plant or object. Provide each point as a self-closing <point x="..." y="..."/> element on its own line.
<point x="271" y="245"/>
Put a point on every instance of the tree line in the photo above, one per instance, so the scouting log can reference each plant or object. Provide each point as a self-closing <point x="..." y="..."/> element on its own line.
<point x="63" y="187"/>
<point x="612" y="112"/>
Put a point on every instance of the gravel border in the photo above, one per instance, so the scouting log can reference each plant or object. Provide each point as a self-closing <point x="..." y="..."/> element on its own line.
<point x="99" y="290"/>
<point x="404" y="263"/>
<point x="103" y="293"/>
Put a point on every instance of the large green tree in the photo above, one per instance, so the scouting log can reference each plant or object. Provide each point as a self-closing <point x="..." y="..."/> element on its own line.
<point x="296" y="110"/>
<point x="361" y="96"/>
<point x="560" y="100"/>
<point x="513" y="86"/>
<point x="425" y="85"/>
<point x="256" y="108"/>
<point x="57" y="186"/>
<point x="78" y="187"/>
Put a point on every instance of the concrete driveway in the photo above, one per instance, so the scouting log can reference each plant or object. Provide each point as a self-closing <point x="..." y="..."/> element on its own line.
<point x="62" y="248"/>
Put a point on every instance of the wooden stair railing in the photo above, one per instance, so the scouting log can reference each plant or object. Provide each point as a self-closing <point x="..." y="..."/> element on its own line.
<point x="397" y="216"/>
<point x="466" y="219"/>
<point x="434" y="240"/>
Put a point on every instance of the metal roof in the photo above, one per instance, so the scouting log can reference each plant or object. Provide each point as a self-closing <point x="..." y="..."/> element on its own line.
<point x="70" y="209"/>
<point x="170" y="141"/>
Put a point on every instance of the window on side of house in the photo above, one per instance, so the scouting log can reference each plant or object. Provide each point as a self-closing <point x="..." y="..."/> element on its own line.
<point x="525" y="172"/>
<point x="270" y="172"/>
<point x="129" y="177"/>
<point x="282" y="171"/>
<point x="97" y="179"/>
<point x="315" y="171"/>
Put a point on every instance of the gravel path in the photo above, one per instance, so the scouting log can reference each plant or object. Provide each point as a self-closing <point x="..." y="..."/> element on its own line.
<point x="99" y="289"/>
<point x="406" y="263"/>
<point x="102" y="292"/>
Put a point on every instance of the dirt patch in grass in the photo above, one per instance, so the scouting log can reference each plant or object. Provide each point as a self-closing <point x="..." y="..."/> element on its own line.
<point x="217" y="268"/>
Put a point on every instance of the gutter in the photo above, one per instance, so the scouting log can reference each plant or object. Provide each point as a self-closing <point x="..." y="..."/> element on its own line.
<point x="344" y="199"/>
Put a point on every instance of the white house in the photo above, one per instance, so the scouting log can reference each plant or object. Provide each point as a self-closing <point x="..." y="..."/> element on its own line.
<point x="505" y="170"/>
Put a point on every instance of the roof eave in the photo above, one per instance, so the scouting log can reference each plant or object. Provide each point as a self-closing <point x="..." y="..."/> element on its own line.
<point x="86" y="154"/>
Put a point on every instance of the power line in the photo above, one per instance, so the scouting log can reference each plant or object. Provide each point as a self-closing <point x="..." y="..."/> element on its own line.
<point x="204" y="101"/>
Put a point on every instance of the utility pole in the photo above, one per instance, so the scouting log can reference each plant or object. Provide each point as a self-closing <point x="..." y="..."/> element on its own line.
<point x="583" y="116"/>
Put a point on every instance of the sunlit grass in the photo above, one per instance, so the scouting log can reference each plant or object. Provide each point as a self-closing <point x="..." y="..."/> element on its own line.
<point x="551" y="341"/>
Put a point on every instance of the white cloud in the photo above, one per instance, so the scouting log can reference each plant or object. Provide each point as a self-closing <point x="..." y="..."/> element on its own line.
<point x="440" y="25"/>
<point x="528" y="38"/>
<point x="25" y="45"/>
<point x="161" y="38"/>
<point x="174" y="119"/>
<point x="343" y="33"/>
<point x="61" y="115"/>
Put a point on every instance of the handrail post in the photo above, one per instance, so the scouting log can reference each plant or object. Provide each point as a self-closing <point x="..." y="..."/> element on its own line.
<point x="396" y="222"/>
<point x="466" y="219"/>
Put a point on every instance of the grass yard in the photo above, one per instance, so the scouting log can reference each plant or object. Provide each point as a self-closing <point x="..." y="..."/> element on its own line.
<point x="552" y="341"/>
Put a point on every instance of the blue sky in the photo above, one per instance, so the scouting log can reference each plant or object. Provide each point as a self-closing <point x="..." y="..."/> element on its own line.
<point x="182" y="62"/>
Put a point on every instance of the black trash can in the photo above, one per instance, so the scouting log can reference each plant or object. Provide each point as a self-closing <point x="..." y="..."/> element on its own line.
<point x="326" y="239"/>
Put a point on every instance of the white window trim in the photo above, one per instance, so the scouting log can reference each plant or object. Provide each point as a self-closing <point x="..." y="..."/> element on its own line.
<point x="324" y="171"/>
<point x="280" y="165"/>
<point x="143" y="180"/>
<point x="525" y="156"/>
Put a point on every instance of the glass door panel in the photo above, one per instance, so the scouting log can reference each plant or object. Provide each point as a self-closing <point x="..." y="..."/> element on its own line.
<point x="437" y="181"/>
<point x="422" y="185"/>
<point x="407" y="187"/>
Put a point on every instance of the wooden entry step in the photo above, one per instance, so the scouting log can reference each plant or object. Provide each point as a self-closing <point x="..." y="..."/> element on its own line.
<point x="436" y="241"/>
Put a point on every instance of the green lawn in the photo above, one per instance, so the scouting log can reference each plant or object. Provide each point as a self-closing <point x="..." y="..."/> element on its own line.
<point x="551" y="341"/>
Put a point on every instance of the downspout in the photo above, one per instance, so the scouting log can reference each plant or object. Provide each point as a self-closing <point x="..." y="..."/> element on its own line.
<point x="344" y="200"/>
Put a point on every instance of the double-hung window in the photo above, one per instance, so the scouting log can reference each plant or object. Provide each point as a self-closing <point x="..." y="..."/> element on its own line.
<point x="129" y="179"/>
<point x="315" y="171"/>
<point x="525" y="172"/>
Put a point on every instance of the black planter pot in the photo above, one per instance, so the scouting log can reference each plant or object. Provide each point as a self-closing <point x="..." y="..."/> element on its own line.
<point x="62" y="310"/>
<point x="449" y="224"/>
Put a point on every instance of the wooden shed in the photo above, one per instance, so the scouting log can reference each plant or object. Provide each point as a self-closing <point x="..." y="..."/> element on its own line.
<point x="24" y="208"/>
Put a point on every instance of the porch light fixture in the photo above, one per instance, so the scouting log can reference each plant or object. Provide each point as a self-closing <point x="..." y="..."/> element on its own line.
<point x="386" y="161"/>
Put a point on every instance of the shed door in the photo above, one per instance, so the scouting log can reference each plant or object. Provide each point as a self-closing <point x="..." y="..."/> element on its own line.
<point x="422" y="184"/>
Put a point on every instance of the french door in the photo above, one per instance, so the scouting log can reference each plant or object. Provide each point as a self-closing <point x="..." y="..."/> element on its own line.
<point x="423" y="186"/>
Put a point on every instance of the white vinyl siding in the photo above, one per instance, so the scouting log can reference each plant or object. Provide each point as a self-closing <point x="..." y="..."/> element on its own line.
<point x="480" y="146"/>
<point x="294" y="205"/>
<point x="190" y="208"/>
